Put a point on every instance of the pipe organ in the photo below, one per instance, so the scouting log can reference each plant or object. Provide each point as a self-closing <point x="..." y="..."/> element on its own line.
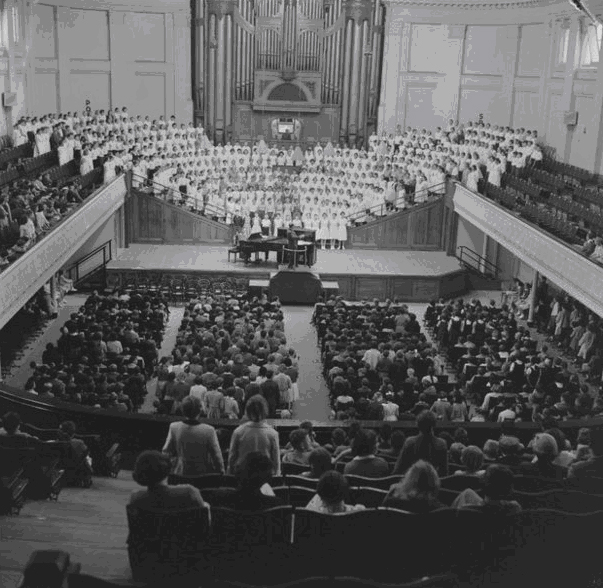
<point x="315" y="61"/>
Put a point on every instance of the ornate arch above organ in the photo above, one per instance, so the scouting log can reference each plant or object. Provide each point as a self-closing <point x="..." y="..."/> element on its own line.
<point x="319" y="61"/>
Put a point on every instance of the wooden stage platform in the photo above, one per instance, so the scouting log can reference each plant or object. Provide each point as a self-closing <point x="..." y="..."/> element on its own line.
<point x="361" y="274"/>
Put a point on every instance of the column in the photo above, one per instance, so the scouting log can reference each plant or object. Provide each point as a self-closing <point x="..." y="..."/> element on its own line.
<point x="568" y="100"/>
<point x="183" y="103"/>
<point x="535" y="282"/>
<point x="220" y="70"/>
<point x="11" y="85"/>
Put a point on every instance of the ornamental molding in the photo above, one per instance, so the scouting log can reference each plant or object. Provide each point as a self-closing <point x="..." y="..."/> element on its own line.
<point x="474" y="4"/>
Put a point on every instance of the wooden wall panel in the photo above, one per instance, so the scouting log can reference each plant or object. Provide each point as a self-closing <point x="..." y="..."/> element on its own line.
<point x="402" y="288"/>
<point x="159" y="222"/>
<point x="371" y="288"/>
<point x="425" y="289"/>
<point x="418" y="228"/>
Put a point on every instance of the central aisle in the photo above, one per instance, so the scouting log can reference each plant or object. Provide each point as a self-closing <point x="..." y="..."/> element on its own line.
<point x="313" y="403"/>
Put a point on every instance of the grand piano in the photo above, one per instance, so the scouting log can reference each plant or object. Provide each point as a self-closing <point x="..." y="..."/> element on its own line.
<point x="260" y="244"/>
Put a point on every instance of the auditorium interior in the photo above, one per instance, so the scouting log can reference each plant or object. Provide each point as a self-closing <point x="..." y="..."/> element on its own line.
<point x="274" y="273"/>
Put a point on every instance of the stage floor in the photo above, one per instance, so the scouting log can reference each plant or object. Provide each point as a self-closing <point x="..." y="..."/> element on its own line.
<point x="354" y="262"/>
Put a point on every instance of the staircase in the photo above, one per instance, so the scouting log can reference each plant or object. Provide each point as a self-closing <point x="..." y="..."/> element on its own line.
<point x="481" y="273"/>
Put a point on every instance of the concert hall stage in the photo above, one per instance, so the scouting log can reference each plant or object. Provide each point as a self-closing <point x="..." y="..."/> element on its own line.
<point x="360" y="274"/>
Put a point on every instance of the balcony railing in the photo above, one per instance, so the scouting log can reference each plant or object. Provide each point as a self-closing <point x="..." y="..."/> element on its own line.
<point x="23" y="278"/>
<point x="564" y="266"/>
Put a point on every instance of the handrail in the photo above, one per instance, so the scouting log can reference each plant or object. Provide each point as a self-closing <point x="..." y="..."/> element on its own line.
<point x="80" y="262"/>
<point x="482" y="264"/>
<point x="399" y="200"/>
<point x="211" y="209"/>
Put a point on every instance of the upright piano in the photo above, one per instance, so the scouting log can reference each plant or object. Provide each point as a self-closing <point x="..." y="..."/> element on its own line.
<point x="260" y="244"/>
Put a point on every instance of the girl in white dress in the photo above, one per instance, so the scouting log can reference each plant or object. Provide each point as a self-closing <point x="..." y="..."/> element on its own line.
<point x="86" y="163"/>
<point x="343" y="231"/>
<point x="334" y="231"/>
<point x="473" y="178"/>
<point x="255" y="225"/>
<point x="63" y="151"/>
<point x="322" y="234"/>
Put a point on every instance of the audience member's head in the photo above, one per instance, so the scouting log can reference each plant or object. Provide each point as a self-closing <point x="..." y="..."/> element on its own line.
<point x="11" y="422"/>
<point x="256" y="409"/>
<point x="320" y="462"/>
<point x="498" y="482"/>
<point x="426" y="422"/>
<point x="191" y="407"/>
<point x="472" y="458"/>
<point x="365" y="443"/>
<point x="421" y="482"/>
<point x="151" y="468"/>
<point x="332" y="488"/>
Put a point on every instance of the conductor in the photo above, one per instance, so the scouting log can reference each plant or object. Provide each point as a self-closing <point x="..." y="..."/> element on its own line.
<point x="292" y="246"/>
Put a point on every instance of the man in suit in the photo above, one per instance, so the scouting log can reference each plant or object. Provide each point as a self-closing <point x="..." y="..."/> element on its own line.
<point x="292" y="245"/>
<point x="424" y="446"/>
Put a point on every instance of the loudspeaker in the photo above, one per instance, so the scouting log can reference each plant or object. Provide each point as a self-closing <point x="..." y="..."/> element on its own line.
<point x="570" y="118"/>
<point x="46" y="569"/>
<point x="9" y="99"/>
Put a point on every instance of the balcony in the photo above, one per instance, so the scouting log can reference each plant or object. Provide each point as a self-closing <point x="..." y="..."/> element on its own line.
<point x="23" y="278"/>
<point x="565" y="267"/>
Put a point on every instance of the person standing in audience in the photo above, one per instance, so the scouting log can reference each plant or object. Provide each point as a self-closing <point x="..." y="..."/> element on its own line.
<point x="425" y="446"/>
<point x="194" y="445"/>
<point x="254" y="435"/>
<point x="151" y="470"/>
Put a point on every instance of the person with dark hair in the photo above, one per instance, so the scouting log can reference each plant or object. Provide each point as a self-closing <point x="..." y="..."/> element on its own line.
<point x="498" y="491"/>
<point x="331" y="493"/>
<point x="320" y="461"/>
<point x="270" y="391"/>
<point x="425" y="446"/>
<point x="253" y="493"/>
<point x="300" y="448"/>
<point x="194" y="444"/>
<point x="11" y="423"/>
<point x="365" y="463"/>
<point x="151" y="470"/>
<point x="67" y="433"/>
<point x="254" y="435"/>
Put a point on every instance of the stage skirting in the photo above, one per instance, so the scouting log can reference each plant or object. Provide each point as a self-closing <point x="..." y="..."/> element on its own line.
<point x="417" y="276"/>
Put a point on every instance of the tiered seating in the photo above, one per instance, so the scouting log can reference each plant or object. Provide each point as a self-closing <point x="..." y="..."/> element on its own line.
<point x="34" y="461"/>
<point x="106" y="456"/>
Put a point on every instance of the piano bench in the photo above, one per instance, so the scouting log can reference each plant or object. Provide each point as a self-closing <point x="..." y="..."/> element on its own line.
<point x="234" y="251"/>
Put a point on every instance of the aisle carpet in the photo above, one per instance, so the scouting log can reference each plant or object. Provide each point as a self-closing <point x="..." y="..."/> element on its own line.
<point x="313" y="403"/>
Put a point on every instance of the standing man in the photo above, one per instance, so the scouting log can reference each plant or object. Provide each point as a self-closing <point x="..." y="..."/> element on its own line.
<point x="292" y="245"/>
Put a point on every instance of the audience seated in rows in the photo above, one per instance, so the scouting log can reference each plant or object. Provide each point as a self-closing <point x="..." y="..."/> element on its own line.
<point x="106" y="351"/>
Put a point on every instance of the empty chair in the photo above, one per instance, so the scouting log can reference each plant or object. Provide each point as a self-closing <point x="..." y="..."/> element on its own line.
<point x="461" y="482"/>
<point x="205" y="481"/>
<point x="164" y="544"/>
<point x="243" y="542"/>
<point x="379" y="483"/>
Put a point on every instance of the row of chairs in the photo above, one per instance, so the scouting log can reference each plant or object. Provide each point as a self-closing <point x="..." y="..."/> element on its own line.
<point x="105" y="454"/>
<point x="179" y="289"/>
<point x="453" y="483"/>
<point x="385" y="545"/>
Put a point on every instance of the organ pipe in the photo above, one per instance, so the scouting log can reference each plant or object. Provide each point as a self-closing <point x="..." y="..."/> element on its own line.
<point x="362" y="94"/>
<point x="211" y="78"/>
<point x="228" y="71"/>
<point x="346" y="58"/>
<point x="353" y="87"/>
<point x="219" y="87"/>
